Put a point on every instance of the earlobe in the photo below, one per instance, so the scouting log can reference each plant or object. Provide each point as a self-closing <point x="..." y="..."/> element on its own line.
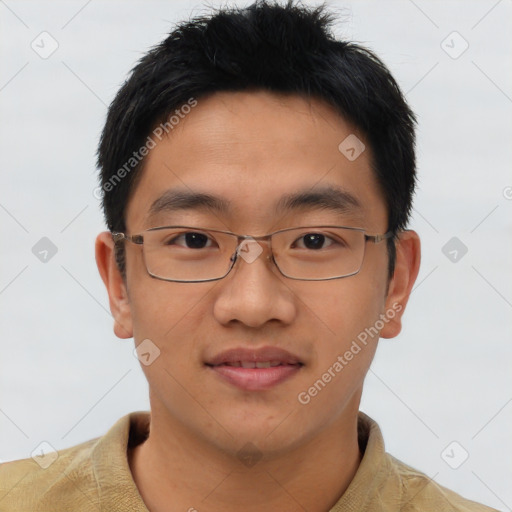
<point x="407" y="265"/>
<point x="115" y="285"/>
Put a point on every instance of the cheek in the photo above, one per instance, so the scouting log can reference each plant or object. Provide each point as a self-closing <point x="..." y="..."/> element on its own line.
<point x="171" y="315"/>
<point x="341" y="309"/>
<point x="344" y="347"/>
<point x="342" y="317"/>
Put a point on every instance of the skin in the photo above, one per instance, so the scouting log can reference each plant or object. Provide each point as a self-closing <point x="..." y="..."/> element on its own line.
<point x="251" y="148"/>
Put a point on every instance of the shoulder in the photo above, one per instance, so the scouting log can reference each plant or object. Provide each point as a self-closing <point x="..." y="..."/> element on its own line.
<point x="422" y="493"/>
<point x="93" y="475"/>
<point x="34" y="483"/>
<point x="385" y="483"/>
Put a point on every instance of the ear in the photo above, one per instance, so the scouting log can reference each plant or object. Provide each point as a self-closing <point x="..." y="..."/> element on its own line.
<point x="407" y="265"/>
<point x="116" y="287"/>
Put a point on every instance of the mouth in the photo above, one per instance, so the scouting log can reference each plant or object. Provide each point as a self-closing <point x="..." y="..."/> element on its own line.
<point x="254" y="364"/>
<point x="255" y="370"/>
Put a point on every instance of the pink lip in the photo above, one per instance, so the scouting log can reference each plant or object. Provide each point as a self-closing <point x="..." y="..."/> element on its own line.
<point x="255" y="379"/>
<point x="254" y="355"/>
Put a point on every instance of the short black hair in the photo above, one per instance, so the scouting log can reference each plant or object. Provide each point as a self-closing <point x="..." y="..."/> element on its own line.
<point x="282" y="48"/>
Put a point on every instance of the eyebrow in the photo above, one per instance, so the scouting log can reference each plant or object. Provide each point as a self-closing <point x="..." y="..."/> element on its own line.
<point x="329" y="198"/>
<point x="175" y="200"/>
<point x="326" y="198"/>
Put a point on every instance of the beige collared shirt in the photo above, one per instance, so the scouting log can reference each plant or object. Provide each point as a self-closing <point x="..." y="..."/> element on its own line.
<point x="95" y="475"/>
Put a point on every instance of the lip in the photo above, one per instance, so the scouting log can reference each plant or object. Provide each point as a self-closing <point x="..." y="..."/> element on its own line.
<point x="256" y="355"/>
<point x="255" y="379"/>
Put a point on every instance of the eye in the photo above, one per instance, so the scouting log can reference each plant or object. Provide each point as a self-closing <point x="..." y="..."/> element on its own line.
<point x="191" y="240"/>
<point x="313" y="241"/>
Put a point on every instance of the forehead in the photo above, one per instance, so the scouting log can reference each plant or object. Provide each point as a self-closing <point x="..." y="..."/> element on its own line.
<point x="254" y="151"/>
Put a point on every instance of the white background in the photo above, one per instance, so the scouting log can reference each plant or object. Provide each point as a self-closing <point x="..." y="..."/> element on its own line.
<point x="65" y="377"/>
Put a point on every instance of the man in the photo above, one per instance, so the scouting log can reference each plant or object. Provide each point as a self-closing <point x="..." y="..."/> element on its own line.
<point x="258" y="178"/>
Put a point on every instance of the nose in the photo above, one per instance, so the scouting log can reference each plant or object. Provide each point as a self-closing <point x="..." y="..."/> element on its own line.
<point x="254" y="292"/>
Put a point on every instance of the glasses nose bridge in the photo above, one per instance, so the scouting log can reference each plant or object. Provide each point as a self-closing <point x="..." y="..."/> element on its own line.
<point x="248" y="251"/>
<point x="263" y="238"/>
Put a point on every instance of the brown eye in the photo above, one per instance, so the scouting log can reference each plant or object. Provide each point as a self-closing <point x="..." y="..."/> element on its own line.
<point x="191" y="240"/>
<point x="313" y="241"/>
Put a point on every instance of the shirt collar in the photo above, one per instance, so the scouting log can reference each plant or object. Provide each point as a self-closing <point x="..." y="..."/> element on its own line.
<point x="116" y="487"/>
<point x="118" y="492"/>
<point x="375" y="475"/>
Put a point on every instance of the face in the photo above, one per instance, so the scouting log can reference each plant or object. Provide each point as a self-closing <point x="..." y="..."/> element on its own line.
<point x="250" y="150"/>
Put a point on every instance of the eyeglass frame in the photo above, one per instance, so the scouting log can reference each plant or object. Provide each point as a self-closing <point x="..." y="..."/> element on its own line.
<point x="138" y="239"/>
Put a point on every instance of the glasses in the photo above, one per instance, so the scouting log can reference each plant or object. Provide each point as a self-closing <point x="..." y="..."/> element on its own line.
<point x="188" y="254"/>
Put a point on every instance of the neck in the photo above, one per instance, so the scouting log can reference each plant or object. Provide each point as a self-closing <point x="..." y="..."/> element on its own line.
<point x="177" y="470"/>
